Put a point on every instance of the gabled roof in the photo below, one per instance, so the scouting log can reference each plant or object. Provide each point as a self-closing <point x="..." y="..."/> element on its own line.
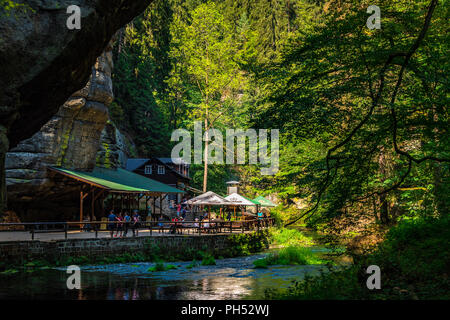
<point x="133" y="164"/>
<point x="208" y="198"/>
<point x="263" y="202"/>
<point x="170" y="160"/>
<point x="118" y="180"/>
<point x="237" y="199"/>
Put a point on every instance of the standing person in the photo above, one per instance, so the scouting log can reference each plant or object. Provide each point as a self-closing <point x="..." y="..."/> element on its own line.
<point x="173" y="225"/>
<point x="178" y="209"/>
<point x="119" y="224"/>
<point x="183" y="213"/>
<point x="149" y="212"/>
<point x="160" y="222"/>
<point x="135" y="223"/>
<point x="126" y="223"/>
<point x="229" y="215"/>
<point x="111" y="219"/>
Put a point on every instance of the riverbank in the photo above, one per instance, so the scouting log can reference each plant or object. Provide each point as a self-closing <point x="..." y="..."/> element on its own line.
<point x="414" y="260"/>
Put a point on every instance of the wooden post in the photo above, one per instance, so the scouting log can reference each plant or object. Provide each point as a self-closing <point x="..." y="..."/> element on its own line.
<point x="81" y="206"/>
<point x="146" y="206"/>
<point x="98" y="195"/>
<point x="82" y="197"/>
<point x="92" y="204"/>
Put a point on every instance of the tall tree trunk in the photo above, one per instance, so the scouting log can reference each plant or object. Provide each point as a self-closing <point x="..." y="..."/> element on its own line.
<point x="205" y="170"/>
<point x="384" y="208"/>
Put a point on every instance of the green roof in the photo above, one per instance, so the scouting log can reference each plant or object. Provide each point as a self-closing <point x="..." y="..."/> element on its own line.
<point x="118" y="180"/>
<point x="264" y="202"/>
<point x="251" y="200"/>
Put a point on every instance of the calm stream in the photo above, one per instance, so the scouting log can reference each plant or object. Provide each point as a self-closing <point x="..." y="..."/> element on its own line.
<point x="233" y="278"/>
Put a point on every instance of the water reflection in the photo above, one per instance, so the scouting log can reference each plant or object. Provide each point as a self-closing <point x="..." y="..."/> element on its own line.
<point x="230" y="279"/>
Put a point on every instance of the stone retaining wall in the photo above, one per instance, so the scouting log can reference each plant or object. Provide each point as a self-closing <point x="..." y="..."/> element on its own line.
<point x="18" y="252"/>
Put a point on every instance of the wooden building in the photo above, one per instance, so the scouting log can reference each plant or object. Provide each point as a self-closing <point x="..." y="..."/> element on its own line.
<point x="115" y="188"/>
<point x="166" y="171"/>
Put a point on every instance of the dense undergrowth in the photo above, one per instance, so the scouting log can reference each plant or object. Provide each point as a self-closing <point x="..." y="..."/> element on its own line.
<point x="414" y="260"/>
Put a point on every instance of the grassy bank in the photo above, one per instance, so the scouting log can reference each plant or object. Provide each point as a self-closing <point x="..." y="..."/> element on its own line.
<point x="291" y="255"/>
<point x="294" y="249"/>
<point x="414" y="260"/>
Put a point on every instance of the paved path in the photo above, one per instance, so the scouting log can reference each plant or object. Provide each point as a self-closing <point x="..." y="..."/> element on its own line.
<point x="26" y="235"/>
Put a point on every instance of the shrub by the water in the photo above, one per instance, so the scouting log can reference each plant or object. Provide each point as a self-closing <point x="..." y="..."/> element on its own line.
<point x="292" y="255"/>
<point x="208" y="260"/>
<point x="161" y="267"/>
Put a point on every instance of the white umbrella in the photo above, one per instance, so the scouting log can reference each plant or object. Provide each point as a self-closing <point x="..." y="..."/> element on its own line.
<point x="208" y="198"/>
<point x="239" y="200"/>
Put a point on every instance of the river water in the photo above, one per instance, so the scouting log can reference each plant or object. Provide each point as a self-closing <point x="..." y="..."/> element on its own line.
<point x="232" y="278"/>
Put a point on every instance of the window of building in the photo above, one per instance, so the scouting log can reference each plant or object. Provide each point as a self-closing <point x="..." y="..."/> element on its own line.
<point x="148" y="169"/>
<point x="161" y="170"/>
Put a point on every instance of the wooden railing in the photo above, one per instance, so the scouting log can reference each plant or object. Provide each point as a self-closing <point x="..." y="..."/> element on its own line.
<point x="179" y="227"/>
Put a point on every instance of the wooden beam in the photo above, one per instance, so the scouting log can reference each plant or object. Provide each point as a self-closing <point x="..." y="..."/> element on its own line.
<point x="82" y="197"/>
<point x="102" y="191"/>
<point x="92" y="204"/>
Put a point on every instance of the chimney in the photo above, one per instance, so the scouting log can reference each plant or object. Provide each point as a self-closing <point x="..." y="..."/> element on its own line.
<point x="232" y="187"/>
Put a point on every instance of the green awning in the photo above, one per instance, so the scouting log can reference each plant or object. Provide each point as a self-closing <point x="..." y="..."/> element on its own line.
<point x="263" y="202"/>
<point x="118" y="180"/>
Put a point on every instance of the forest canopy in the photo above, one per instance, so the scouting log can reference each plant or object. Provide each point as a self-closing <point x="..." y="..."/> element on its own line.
<point x="363" y="113"/>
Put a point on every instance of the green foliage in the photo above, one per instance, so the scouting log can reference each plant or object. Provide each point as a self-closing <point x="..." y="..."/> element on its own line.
<point x="291" y="255"/>
<point x="260" y="264"/>
<point x="287" y="237"/>
<point x="161" y="267"/>
<point x="193" y="264"/>
<point x="140" y="69"/>
<point x="414" y="261"/>
<point x="329" y="79"/>
<point x="10" y="6"/>
<point x="208" y="260"/>
<point x="246" y="243"/>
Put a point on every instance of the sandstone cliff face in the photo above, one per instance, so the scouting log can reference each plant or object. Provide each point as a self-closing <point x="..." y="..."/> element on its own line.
<point x="42" y="62"/>
<point x="75" y="138"/>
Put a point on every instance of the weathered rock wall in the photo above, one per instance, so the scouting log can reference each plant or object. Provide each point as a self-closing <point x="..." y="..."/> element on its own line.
<point x="75" y="138"/>
<point x="42" y="62"/>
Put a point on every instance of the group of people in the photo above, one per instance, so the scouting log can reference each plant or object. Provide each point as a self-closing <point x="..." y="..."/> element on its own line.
<point x="122" y="222"/>
<point x="182" y="209"/>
